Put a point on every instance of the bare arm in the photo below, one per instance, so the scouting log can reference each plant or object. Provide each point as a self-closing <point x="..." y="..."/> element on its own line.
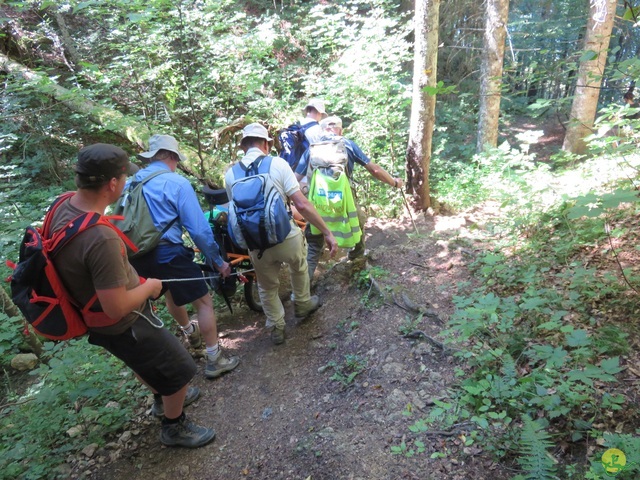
<point x="381" y="174"/>
<point x="118" y="302"/>
<point x="311" y="215"/>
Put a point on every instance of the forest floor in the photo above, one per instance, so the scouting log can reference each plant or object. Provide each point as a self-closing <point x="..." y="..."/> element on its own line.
<point x="292" y="411"/>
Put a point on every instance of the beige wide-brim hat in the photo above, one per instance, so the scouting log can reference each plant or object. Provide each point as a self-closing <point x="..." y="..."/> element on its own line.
<point x="162" y="142"/>
<point x="255" y="130"/>
<point x="317" y="104"/>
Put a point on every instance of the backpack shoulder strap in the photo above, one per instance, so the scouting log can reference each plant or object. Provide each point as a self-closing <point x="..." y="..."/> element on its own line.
<point x="251" y="169"/>
<point x="78" y="225"/>
<point x="152" y="175"/>
<point x="265" y="164"/>
<point x="307" y="126"/>
<point x="48" y="218"/>
<point x="132" y="185"/>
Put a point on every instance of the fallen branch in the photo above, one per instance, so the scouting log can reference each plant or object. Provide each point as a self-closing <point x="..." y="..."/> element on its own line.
<point x="377" y="287"/>
<point x="417" y="334"/>
<point x="410" y="306"/>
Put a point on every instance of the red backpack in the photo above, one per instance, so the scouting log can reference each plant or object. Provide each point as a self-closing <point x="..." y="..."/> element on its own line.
<point x="36" y="288"/>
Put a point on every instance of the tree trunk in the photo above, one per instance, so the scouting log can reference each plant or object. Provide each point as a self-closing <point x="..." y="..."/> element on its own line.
<point x="585" y="101"/>
<point x="426" y="18"/>
<point x="68" y="43"/>
<point x="495" y="31"/>
<point x="107" y="118"/>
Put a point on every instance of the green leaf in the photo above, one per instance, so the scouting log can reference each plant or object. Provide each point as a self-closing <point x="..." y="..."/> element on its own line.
<point x="578" y="338"/>
<point x="588" y="56"/>
<point x="611" y="365"/>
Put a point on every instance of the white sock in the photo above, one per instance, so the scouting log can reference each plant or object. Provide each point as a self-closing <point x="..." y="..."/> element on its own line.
<point x="213" y="351"/>
<point x="189" y="329"/>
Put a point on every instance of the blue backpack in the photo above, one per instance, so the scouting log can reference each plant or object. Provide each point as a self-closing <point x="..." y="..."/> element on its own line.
<point x="293" y="143"/>
<point x="258" y="217"/>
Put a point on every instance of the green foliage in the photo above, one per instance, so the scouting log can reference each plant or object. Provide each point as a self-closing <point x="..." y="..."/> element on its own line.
<point x="10" y="338"/>
<point x="532" y="332"/>
<point x="363" y="277"/>
<point x="80" y="386"/>
<point x="534" y="458"/>
<point x="629" y="445"/>
<point x="346" y="372"/>
<point x="410" y="324"/>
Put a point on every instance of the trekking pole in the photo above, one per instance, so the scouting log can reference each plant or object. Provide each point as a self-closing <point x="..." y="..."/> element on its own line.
<point x="406" y="204"/>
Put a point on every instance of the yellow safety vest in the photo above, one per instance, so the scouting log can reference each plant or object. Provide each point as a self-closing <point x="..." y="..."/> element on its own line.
<point x="334" y="201"/>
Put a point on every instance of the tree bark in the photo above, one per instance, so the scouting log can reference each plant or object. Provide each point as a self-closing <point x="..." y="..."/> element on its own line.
<point x="426" y="18"/>
<point x="496" y="15"/>
<point x="68" y="42"/>
<point x="585" y="101"/>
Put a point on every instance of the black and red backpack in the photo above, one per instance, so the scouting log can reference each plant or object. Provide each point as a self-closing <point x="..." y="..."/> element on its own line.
<point x="36" y="287"/>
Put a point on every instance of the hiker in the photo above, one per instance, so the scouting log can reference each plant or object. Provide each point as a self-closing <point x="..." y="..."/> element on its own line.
<point x="292" y="251"/>
<point x="295" y="139"/>
<point x="314" y="112"/>
<point x="332" y="128"/>
<point x="172" y="201"/>
<point x="95" y="262"/>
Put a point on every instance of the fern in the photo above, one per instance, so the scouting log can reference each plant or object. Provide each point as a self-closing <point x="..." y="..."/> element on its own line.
<point x="533" y="449"/>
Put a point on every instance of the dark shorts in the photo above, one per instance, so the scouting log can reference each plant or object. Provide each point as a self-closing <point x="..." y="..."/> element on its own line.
<point x="173" y="262"/>
<point x="155" y="354"/>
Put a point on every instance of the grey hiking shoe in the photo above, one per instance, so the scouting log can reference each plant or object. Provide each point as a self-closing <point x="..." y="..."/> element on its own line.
<point x="303" y="311"/>
<point x="195" y="338"/>
<point x="193" y="393"/>
<point x="185" y="434"/>
<point x="220" y="364"/>
<point x="277" y="335"/>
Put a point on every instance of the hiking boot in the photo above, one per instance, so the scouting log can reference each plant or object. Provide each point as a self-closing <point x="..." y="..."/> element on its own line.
<point x="355" y="252"/>
<point x="193" y="393"/>
<point x="220" y="364"/>
<point x="277" y="335"/>
<point x="185" y="434"/>
<point x="195" y="338"/>
<point x="303" y="311"/>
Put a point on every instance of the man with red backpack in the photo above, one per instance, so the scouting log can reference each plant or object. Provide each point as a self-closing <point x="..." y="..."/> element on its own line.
<point x="95" y="263"/>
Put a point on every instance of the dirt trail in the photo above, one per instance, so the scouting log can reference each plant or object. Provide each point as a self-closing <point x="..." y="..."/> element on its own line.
<point x="280" y="415"/>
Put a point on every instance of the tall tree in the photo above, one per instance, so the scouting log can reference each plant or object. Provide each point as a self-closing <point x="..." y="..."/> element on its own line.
<point x="495" y="31"/>
<point x="425" y="62"/>
<point x="592" y="63"/>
